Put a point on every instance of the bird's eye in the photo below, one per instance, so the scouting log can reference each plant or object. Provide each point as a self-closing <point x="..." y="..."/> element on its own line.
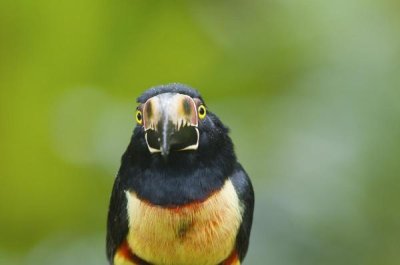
<point x="139" y="117"/>
<point x="202" y="112"/>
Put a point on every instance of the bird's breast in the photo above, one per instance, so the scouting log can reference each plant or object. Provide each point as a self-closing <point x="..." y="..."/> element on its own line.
<point x="199" y="233"/>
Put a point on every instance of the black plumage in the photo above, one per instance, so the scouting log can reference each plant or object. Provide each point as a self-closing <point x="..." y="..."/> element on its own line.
<point x="180" y="178"/>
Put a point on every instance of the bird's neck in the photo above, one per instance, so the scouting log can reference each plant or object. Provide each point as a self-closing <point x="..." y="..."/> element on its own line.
<point x="176" y="184"/>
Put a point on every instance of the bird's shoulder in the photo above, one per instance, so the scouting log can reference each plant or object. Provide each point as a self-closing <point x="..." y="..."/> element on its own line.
<point x="245" y="192"/>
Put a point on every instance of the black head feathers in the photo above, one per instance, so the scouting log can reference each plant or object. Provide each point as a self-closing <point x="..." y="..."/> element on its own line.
<point x="169" y="88"/>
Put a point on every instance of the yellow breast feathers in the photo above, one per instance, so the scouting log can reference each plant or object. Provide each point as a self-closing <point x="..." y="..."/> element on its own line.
<point x="200" y="233"/>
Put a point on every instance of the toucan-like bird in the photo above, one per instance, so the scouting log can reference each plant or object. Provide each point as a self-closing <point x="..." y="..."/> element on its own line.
<point x="180" y="196"/>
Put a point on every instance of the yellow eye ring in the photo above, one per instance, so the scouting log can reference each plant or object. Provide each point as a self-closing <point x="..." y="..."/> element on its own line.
<point x="202" y="112"/>
<point x="139" y="117"/>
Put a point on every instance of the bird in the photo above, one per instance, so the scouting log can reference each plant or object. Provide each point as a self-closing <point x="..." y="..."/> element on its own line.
<point x="180" y="196"/>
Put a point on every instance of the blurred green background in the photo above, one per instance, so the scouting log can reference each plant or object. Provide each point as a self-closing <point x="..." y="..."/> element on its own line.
<point x="310" y="90"/>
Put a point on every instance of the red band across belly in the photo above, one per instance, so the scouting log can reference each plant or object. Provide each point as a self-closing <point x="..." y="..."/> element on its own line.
<point x="125" y="251"/>
<point x="232" y="259"/>
<point x="127" y="254"/>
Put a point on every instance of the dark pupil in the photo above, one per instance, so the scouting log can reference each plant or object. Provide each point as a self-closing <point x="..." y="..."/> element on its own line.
<point x="139" y="116"/>
<point x="201" y="111"/>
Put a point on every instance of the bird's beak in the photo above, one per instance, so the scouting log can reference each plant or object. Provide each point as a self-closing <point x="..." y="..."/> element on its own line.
<point x="170" y="121"/>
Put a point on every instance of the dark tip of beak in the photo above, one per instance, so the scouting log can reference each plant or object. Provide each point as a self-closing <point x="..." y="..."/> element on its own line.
<point x="165" y="144"/>
<point x="165" y="150"/>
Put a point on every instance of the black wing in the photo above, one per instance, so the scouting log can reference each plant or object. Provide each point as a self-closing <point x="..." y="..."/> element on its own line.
<point x="117" y="223"/>
<point x="244" y="189"/>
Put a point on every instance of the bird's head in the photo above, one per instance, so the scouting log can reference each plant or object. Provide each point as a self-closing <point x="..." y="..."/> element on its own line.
<point x="173" y="120"/>
<point x="170" y="122"/>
